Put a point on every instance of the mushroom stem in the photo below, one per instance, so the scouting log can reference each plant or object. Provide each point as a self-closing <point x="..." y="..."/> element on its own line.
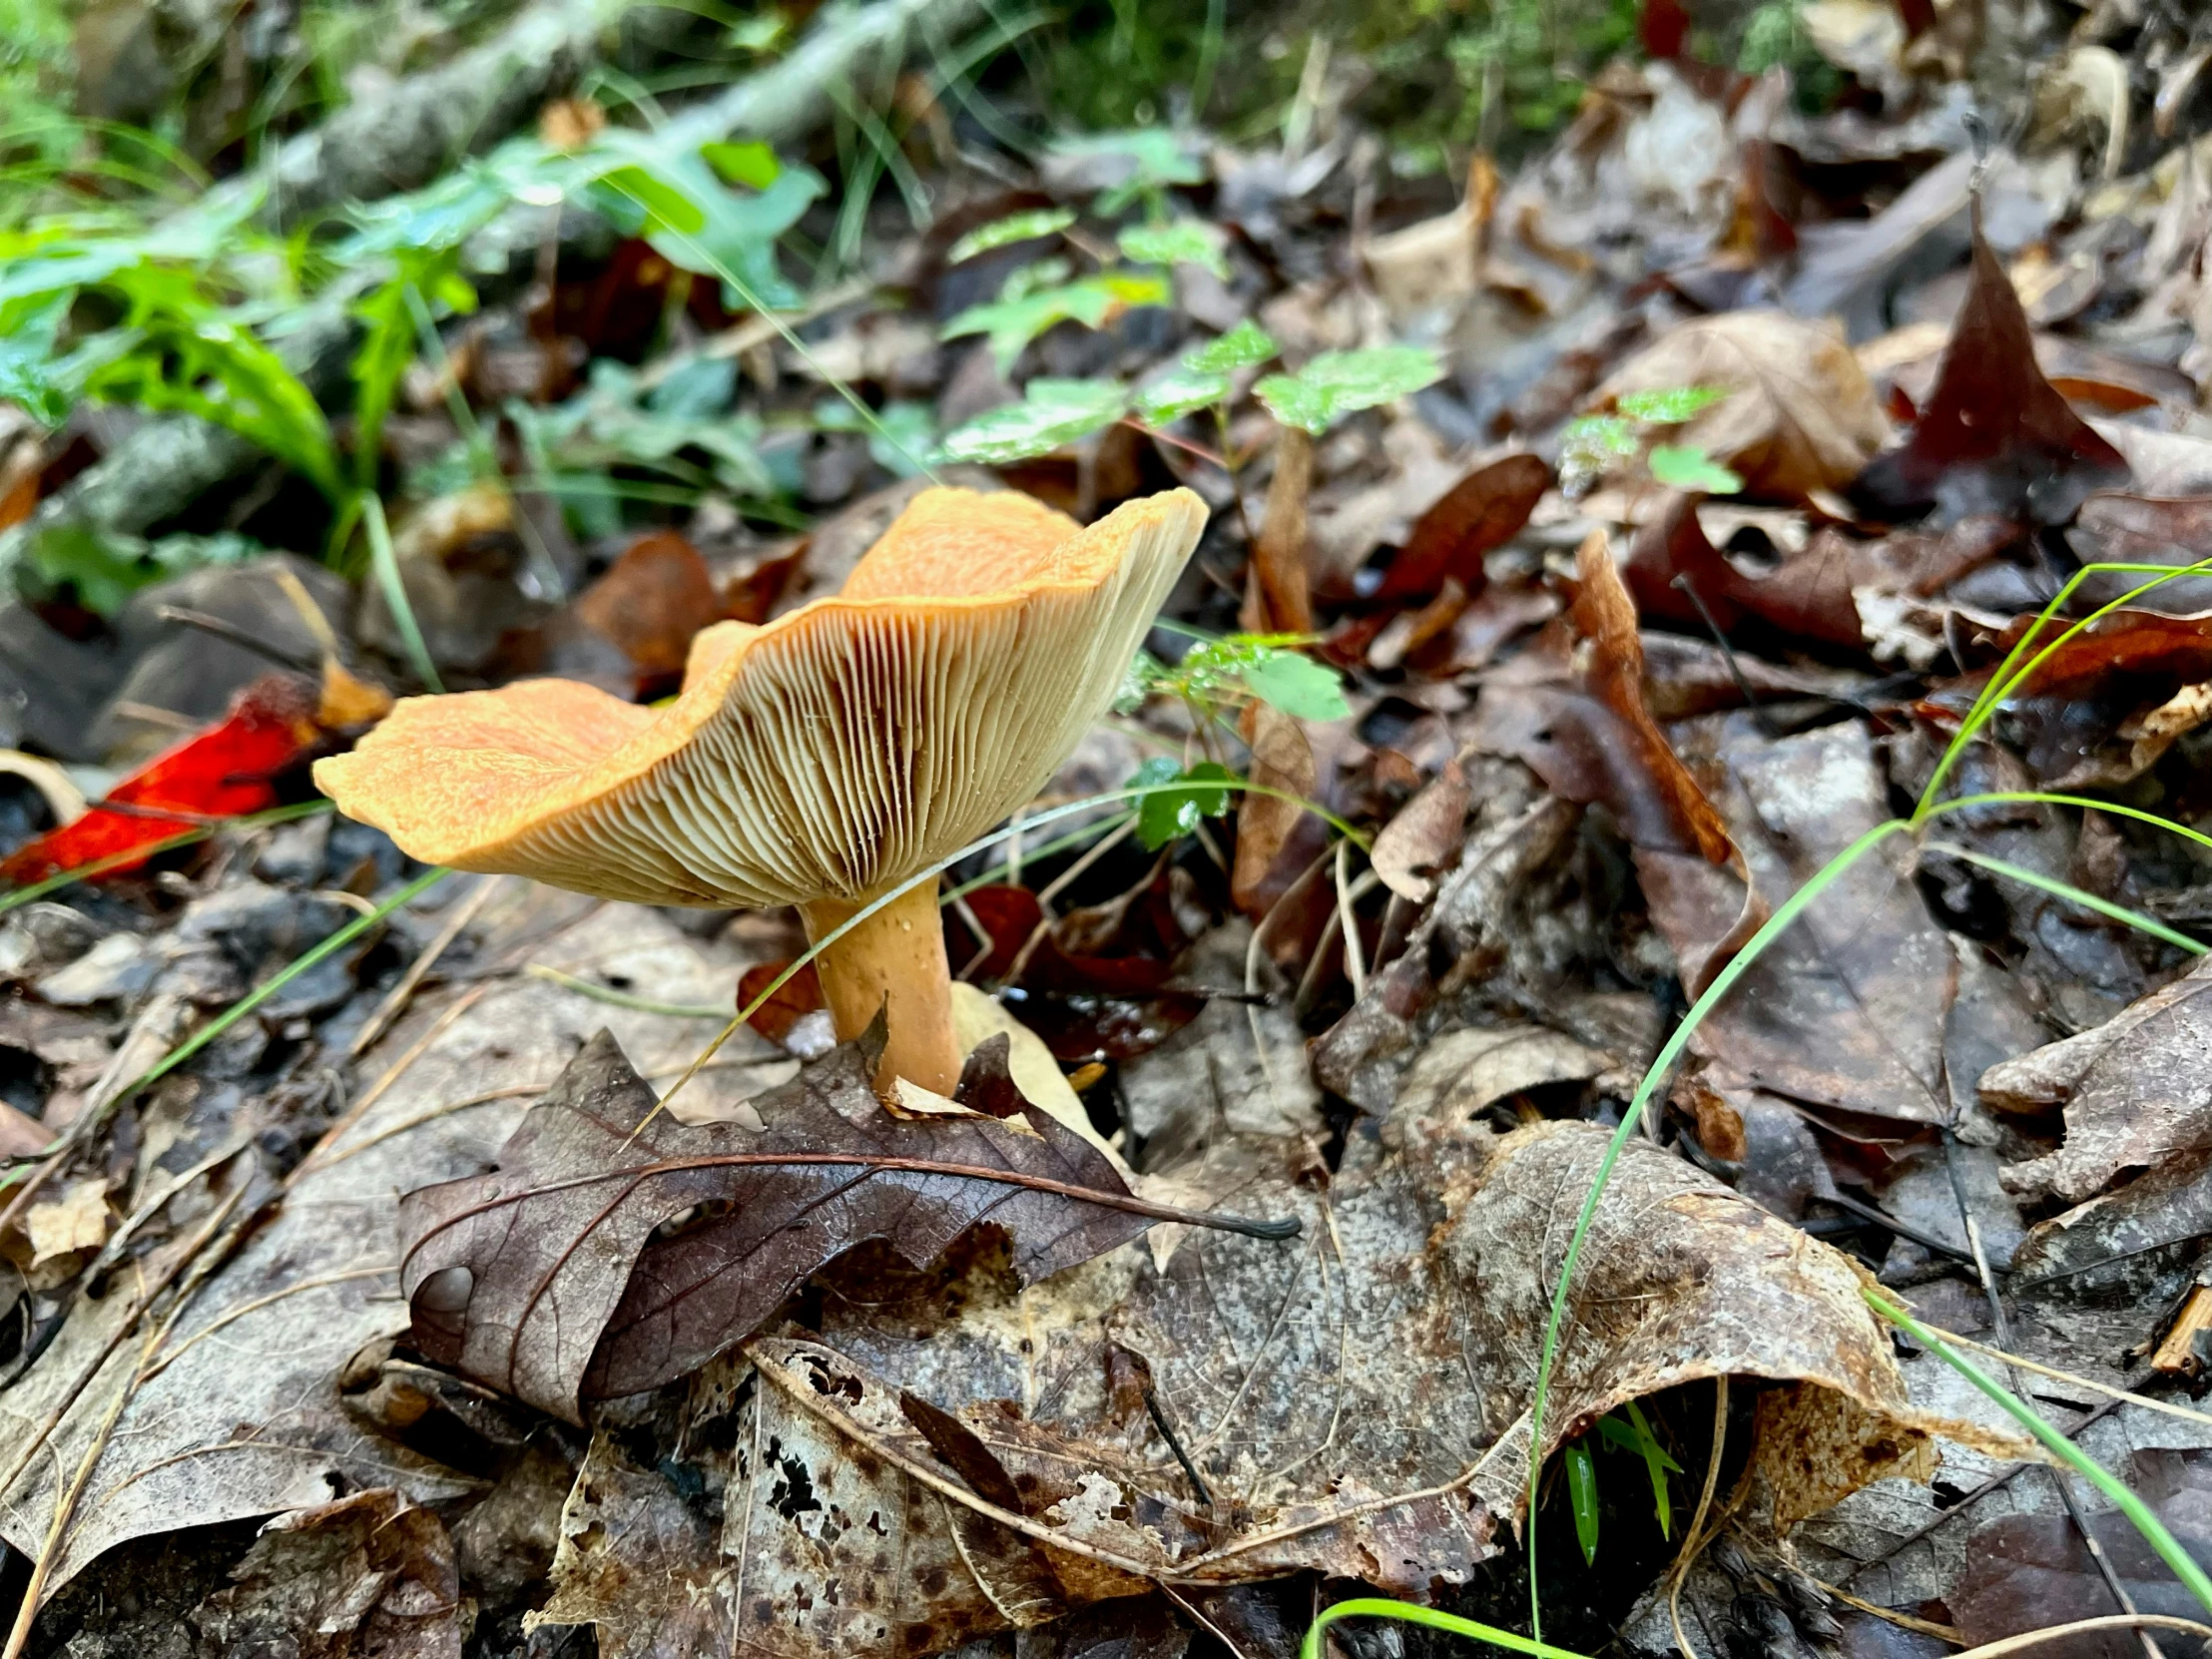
<point x="893" y="961"/>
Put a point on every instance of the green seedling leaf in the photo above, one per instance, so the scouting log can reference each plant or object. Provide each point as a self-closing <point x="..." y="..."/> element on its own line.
<point x="1052" y="413"/>
<point x="1670" y="405"/>
<point x="1242" y="347"/>
<point x="1599" y="435"/>
<point x="667" y="205"/>
<point x="1166" y="814"/>
<point x="1178" y="392"/>
<point x="1183" y="242"/>
<point x="1687" y="467"/>
<point x="1142" y="162"/>
<point x="1634" y="1435"/>
<point x="902" y="431"/>
<point x="29" y="375"/>
<point x="1011" y="323"/>
<point x="1003" y="233"/>
<point x="1338" y="383"/>
<point x="752" y="164"/>
<point x="1295" y="685"/>
<point x="1582" y="1494"/>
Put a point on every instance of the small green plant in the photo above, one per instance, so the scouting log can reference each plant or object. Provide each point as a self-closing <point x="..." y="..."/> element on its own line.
<point x="1214" y="680"/>
<point x="1623" y="1431"/>
<point x="1053" y="413"/>
<point x="1589" y="444"/>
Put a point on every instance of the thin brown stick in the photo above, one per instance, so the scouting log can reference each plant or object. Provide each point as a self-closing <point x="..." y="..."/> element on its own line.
<point x="396" y="1000"/>
<point x="2086" y="1627"/>
<point x="1285" y="1227"/>
<point x="1692" y="1542"/>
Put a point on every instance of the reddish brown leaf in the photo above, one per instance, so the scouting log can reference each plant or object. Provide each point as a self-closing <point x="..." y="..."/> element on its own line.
<point x="650" y="602"/>
<point x="794" y="1000"/>
<point x="1485" y="510"/>
<point x="1995" y="435"/>
<point x="1808" y="598"/>
<point x="227" y="769"/>
<point x="1274" y="839"/>
<point x="1573" y="710"/>
<point x="1662" y="26"/>
<point x="553" y="1278"/>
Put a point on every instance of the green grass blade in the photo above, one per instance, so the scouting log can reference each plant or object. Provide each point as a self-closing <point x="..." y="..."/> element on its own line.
<point x="2134" y="1508"/>
<point x="1723" y="982"/>
<point x="2043" y="797"/>
<point x="2073" y="894"/>
<point x="1405" y="1612"/>
<point x="386" y="563"/>
<point x="261" y="993"/>
<point x="2010" y="677"/>
<point x="622" y="999"/>
<point x="168" y="844"/>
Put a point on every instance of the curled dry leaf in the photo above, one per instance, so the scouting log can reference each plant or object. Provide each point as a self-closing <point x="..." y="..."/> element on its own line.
<point x="1275" y="838"/>
<point x="2137" y="1092"/>
<point x="1994" y="437"/>
<point x="638" y="1562"/>
<point x="1572" y="708"/>
<point x="1847" y="1010"/>
<point x="1674" y="570"/>
<point x="1799" y="416"/>
<point x="1485" y="510"/>
<point x="552" y="1279"/>
<point x="1679" y="1279"/>
<point x="1426" y="831"/>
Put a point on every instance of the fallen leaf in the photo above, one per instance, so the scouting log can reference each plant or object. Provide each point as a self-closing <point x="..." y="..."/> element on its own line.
<point x="251" y="1412"/>
<point x="1485" y="510"/>
<point x="795" y="1017"/>
<point x="2134" y="1092"/>
<point x="1424" y="832"/>
<point x="1275" y="838"/>
<point x="1673" y="570"/>
<point x="650" y="603"/>
<point x="368" y="1574"/>
<point x="1799" y="416"/>
<point x="550" y="1280"/>
<point x="1463" y="1072"/>
<point x="638" y="1563"/>
<point x="227" y="769"/>
<point x="1571" y="707"/>
<point x="1849" y="1009"/>
<point x="77" y="1221"/>
<point x="2145" y="529"/>
<point x="1994" y="437"/>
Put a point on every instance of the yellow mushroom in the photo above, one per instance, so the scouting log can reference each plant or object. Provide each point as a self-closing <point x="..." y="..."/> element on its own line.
<point x="818" y="760"/>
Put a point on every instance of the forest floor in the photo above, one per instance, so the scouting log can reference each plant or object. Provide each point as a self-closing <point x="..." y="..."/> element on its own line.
<point x="1644" y="900"/>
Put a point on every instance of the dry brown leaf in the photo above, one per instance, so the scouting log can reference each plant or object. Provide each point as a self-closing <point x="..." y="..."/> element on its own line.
<point x="2137" y="1092"/>
<point x="1800" y="416"/>
<point x="1426" y="831"/>
<point x="1270" y="848"/>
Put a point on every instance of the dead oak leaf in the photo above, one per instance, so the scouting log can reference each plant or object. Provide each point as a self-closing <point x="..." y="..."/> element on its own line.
<point x="1800" y="414"/>
<point x="552" y="1278"/>
<point x="1995" y="435"/>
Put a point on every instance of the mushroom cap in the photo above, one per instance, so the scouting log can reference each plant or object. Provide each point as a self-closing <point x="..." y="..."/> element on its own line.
<point x="834" y="751"/>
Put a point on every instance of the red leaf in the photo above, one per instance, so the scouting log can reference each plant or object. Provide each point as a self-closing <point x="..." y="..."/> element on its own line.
<point x="1995" y="435"/>
<point x="794" y="999"/>
<point x="227" y="769"/>
<point x="1663" y="26"/>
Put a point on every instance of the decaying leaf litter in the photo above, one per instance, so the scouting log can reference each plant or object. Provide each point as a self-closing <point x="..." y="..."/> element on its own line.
<point x="1719" y="552"/>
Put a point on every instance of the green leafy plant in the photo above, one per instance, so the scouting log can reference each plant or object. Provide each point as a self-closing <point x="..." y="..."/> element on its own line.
<point x="1623" y="1431"/>
<point x="1004" y="232"/>
<point x="102" y="569"/>
<point x="1592" y="443"/>
<point x="1180" y="798"/>
<point x="1042" y="294"/>
<point x="1337" y="384"/>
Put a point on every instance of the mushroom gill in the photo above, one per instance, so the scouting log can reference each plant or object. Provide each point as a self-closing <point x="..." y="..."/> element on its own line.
<point x="818" y="760"/>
